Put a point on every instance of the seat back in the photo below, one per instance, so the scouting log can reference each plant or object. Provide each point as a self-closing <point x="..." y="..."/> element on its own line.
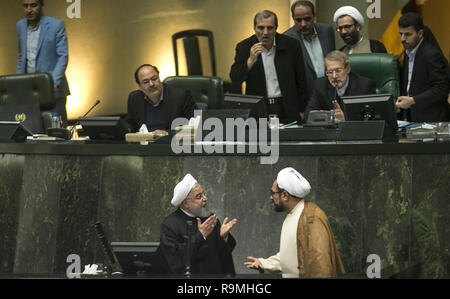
<point x="29" y="89"/>
<point x="204" y="89"/>
<point x="383" y="68"/>
<point x="192" y="51"/>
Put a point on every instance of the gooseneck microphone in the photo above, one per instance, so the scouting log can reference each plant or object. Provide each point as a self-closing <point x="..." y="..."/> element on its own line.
<point x="96" y="103"/>
<point x="188" y="247"/>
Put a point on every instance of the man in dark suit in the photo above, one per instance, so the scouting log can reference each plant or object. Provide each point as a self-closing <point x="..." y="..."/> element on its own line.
<point x="316" y="40"/>
<point x="43" y="48"/>
<point x="271" y="64"/>
<point x="340" y="81"/>
<point x="425" y="74"/>
<point x="156" y="105"/>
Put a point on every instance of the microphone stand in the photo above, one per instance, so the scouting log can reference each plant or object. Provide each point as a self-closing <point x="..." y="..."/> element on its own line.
<point x="73" y="127"/>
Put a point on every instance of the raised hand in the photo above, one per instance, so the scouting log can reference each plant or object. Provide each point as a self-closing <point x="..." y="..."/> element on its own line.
<point x="226" y="227"/>
<point x="207" y="227"/>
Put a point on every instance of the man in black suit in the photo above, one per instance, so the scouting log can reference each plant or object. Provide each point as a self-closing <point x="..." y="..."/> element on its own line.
<point x="156" y="105"/>
<point x="340" y="81"/>
<point x="271" y="64"/>
<point x="425" y="74"/>
<point x="316" y="40"/>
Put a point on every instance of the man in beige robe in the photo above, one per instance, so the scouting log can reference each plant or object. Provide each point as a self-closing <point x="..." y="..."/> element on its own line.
<point x="307" y="246"/>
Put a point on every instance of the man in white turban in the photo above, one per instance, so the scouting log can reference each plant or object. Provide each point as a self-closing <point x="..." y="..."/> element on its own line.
<point x="307" y="246"/>
<point x="211" y="243"/>
<point x="349" y="22"/>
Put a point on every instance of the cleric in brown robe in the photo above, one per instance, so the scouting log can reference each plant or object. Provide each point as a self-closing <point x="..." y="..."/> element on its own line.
<point x="307" y="246"/>
<point x="211" y="242"/>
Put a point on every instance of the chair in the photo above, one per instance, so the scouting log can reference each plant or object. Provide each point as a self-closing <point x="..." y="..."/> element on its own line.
<point x="206" y="91"/>
<point x="383" y="68"/>
<point x="29" y="89"/>
<point x="192" y="51"/>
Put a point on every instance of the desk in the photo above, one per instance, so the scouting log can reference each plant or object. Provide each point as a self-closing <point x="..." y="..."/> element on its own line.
<point x="385" y="199"/>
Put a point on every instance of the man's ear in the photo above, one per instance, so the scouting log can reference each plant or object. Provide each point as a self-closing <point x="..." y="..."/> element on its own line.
<point x="420" y="33"/>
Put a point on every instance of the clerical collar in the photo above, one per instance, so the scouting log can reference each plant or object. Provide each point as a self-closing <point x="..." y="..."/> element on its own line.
<point x="297" y="207"/>
<point x="187" y="213"/>
<point x="352" y="46"/>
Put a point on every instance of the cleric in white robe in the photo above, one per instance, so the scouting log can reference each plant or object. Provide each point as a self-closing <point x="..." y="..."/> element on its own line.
<point x="211" y="242"/>
<point x="307" y="246"/>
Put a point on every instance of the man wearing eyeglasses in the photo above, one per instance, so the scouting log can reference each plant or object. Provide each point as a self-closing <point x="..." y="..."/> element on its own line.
<point x="340" y="81"/>
<point x="316" y="40"/>
<point x="211" y="242"/>
<point x="156" y="105"/>
<point x="349" y="22"/>
<point x="307" y="246"/>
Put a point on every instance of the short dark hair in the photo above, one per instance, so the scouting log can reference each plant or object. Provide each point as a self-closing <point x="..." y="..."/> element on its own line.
<point x="142" y="66"/>
<point x="303" y="3"/>
<point x="411" y="19"/>
<point x="265" y="14"/>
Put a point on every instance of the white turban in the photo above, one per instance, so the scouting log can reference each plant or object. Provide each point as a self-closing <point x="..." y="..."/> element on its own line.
<point x="349" y="11"/>
<point x="293" y="182"/>
<point x="182" y="190"/>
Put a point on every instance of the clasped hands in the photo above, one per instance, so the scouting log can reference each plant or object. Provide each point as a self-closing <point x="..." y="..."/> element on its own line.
<point x="207" y="227"/>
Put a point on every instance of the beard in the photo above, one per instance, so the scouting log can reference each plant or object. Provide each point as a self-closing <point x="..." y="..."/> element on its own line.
<point x="351" y="38"/>
<point x="201" y="212"/>
<point x="278" y="207"/>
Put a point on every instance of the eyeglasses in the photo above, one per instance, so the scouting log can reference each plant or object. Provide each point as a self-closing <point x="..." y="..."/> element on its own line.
<point x="346" y="27"/>
<point x="337" y="71"/>
<point x="273" y="192"/>
<point x="200" y="195"/>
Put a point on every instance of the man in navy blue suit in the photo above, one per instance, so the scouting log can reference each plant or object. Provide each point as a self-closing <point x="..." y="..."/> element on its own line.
<point x="43" y="48"/>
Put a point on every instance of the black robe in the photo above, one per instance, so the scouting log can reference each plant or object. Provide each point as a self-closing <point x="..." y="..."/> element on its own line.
<point x="210" y="256"/>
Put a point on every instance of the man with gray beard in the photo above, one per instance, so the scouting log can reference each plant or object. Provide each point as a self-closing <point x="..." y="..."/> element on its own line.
<point x="211" y="243"/>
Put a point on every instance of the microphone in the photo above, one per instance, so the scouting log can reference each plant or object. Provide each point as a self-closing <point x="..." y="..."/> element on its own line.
<point x="96" y="103"/>
<point x="188" y="247"/>
<point x="72" y="128"/>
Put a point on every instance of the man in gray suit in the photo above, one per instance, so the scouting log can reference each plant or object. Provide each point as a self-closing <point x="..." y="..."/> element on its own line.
<point x="317" y="40"/>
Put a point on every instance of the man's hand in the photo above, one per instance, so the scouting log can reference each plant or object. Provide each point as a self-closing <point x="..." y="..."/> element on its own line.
<point x="226" y="227"/>
<point x="207" y="227"/>
<point x="338" y="113"/>
<point x="405" y="102"/>
<point x="254" y="264"/>
<point x="255" y="51"/>
<point x="55" y="87"/>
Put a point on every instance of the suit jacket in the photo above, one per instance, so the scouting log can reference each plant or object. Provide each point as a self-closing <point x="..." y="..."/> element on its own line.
<point x="52" y="54"/>
<point x="290" y="72"/>
<point x="326" y="37"/>
<point x="429" y="84"/>
<point x="177" y="103"/>
<point x="324" y="92"/>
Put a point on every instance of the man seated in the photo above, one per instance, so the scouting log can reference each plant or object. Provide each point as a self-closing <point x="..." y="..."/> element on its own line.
<point x="155" y="104"/>
<point x="211" y="242"/>
<point x="340" y="81"/>
<point x="349" y="23"/>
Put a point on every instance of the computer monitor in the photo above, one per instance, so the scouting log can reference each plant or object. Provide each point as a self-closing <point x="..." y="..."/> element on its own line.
<point x="255" y="104"/>
<point x="372" y="107"/>
<point x="135" y="257"/>
<point x="105" y="128"/>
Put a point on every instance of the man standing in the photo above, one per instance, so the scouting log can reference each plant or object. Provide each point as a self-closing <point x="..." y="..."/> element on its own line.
<point x="43" y="48"/>
<point x="349" y="23"/>
<point x="425" y="74"/>
<point x="307" y="246"/>
<point x="211" y="243"/>
<point x="340" y="81"/>
<point x="271" y="64"/>
<point x="156" y="105"/>
<point x="316" y="40"/>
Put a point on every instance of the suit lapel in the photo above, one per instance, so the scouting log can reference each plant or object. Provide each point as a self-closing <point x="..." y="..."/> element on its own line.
<point x="44" y="28"/>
